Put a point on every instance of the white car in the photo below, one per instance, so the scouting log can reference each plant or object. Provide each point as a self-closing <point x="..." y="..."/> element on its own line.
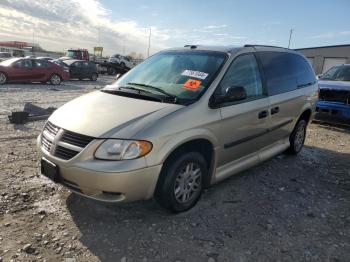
<point x="123" y="61"/>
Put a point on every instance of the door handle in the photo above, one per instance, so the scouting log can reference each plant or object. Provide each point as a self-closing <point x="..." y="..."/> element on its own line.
<point x="263" y="114"/>
<point x="275" y="110"/>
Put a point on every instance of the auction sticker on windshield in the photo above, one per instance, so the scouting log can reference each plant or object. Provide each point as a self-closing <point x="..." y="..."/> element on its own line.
<point x="192" y="84"/>
<point x="196" y="74"/>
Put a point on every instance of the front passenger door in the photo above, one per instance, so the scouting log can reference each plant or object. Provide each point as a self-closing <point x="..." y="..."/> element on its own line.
<point x="244" y="123"/>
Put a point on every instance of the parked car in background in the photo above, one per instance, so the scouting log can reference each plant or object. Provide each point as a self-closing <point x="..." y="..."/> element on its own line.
<point x="31" y="70"/>
<point x="61" y="64"/>
<point x="82" y="69"/>
<point x="123" y="61"/>
<point x="4" y="56"/>
<point x="182" y="120"/>
<point x="45" y="58"/>
<point x="334" y="95"/>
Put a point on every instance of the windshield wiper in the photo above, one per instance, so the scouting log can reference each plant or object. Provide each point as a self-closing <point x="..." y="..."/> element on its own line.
<point x="157" y="89"/>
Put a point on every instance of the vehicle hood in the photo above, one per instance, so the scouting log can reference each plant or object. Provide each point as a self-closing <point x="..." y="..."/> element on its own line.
<point x="335" y="85"/>
<point x="104" y="115"/>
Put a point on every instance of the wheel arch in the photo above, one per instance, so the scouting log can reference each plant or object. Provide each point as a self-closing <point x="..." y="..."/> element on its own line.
<point x="202" y="145"/>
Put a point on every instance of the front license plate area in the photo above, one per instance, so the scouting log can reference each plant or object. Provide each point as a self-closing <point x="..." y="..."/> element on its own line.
<point x="50" y="170"/>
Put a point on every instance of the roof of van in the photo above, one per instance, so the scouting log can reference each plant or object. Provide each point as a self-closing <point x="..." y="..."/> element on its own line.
<point x="229" y="49"/>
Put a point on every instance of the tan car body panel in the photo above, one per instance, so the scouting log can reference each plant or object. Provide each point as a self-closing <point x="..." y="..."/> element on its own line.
<point x="168" y="126"/>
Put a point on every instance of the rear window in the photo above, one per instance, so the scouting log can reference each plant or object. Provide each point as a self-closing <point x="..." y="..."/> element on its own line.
<point x="285" y="72"/>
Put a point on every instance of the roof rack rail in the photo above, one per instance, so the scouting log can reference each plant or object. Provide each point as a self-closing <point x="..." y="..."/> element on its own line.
<point x="249" y="45"/>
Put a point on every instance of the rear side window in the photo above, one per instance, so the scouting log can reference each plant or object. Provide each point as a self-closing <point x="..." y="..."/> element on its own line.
<point x="41" y="63"/>
<point x="285" y="72"/>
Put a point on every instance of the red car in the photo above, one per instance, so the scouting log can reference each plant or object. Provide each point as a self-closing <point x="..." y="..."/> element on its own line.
<point x="31" y="70"/>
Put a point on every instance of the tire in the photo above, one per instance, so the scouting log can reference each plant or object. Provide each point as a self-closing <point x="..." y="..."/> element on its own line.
<point x="122" y="64"/>
<point x="55" y="79"/>
<point x="3" y="78"/>
<point x="176" y="189"/>
<point x="94" y="77"/>
<point x="111" y="71"/>
<point x="297" y="137"/>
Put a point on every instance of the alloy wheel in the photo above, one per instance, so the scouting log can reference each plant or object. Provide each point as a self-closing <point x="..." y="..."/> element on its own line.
<point x="55" y="79"/>
<point x="188" y="183"/>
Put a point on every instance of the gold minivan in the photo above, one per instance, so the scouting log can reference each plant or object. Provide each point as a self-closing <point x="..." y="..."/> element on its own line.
<point x="182" y="120"/>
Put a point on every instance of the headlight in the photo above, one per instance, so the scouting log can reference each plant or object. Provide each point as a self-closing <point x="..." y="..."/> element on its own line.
<point x="115" y="149"/>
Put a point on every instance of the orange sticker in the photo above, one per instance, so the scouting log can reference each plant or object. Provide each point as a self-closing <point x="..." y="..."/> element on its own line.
<point x="192" y="84"/>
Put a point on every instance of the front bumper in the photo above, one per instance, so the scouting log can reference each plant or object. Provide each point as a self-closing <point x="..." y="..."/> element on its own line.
<point x="109" y="181"/>
<point x="333" y="108"/>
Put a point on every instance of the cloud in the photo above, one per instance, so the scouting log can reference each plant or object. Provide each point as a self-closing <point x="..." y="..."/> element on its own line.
<point x="331" y="35"/>
<point x="215" y="26"/>
<point x="59" y="25"/>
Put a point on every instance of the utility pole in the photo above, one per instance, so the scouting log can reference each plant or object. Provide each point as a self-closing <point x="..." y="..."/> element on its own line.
<point x="290" y="36"/>
<point x="99" y="36"/>
<point x="149" y="41"/>
<point x="33" y="44"/>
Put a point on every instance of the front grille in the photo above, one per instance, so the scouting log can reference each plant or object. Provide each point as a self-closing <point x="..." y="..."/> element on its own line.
<point x="67" y="144"/>
<point x="46" y="144"/>
<point x="76" y="139"/>
<point x="333" y="95"/>
<point x="65" y="153"/>
<point x="51" y="128"/>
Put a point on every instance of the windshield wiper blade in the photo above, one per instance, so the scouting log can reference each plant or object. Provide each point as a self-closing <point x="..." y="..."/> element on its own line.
<point x="157" y="89"/>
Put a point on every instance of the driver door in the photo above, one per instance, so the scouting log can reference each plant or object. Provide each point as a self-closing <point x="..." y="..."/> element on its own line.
<point x="244" y="123"/>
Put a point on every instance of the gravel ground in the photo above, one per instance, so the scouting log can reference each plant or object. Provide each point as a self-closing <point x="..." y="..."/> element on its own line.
<point x="286" y="209"/>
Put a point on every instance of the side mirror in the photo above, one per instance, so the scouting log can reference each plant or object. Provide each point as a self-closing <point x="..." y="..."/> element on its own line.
<point x="117" y="76"/>
<point x="232" y="94"/>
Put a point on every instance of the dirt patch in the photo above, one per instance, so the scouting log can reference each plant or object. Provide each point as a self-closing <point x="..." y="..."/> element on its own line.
<point x="287" y="209"/>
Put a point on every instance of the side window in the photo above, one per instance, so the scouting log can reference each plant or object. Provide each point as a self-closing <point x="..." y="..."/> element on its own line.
<point x="19" y="64"/>
<point x="40" y="63"/>
<point x="78" y="64"/>
<point x="25" y="63"/>
<point x="303" y="71"/>
<point x="278" y="69"/>
<point x="244" y="72"/>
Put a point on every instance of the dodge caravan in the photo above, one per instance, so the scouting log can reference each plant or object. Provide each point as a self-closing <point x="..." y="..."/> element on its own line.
<point x="182" y="120"/>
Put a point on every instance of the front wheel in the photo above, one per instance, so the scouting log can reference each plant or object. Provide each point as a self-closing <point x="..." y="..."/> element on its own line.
<point x="55" y="79"/>
<point x="3" y="78"/>
<point x="297" y="137"/>
<point x="181" y="182"/>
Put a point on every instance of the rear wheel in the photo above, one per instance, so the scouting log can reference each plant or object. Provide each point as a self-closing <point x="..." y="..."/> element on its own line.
<point x="94" y="77"/>
<point x="3" y="78"/>
<point x="181" y="182"/>
<point x="111" y="71"/>
<point x="122" y="64"/>
<point x="297" y="137"/>
<point x="55" y="79"/>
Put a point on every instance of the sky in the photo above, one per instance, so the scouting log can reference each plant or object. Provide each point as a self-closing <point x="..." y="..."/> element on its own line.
<point x="124" y="26"/>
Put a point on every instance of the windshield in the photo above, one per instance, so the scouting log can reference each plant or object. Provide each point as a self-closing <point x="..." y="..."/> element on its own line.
<point x="72" y="54"/>
<point x="181" y="74"/>
<point x="337" y="73"/>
